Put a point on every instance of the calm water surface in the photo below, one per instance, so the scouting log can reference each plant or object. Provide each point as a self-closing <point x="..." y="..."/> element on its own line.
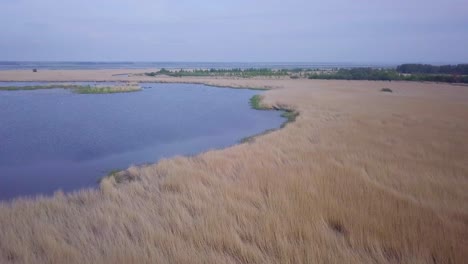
<point x="55" y="139"/>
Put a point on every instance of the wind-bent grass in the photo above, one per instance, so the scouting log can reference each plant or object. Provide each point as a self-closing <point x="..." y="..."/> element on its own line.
<point x="359" y="177"/>
<point x="82" y="89"/>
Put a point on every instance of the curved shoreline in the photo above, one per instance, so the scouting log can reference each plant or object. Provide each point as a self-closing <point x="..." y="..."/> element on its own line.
<point x="119" y="175"/>
<point x="361" y="176"/>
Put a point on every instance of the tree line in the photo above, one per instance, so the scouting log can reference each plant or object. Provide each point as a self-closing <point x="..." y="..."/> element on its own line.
<point x="460" y="69"/>
<point x="236" y="72"/>
<point x="405" y="72"/>
<point x="401" y="73"/>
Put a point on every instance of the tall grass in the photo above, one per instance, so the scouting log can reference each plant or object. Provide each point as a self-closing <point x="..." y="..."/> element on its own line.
<point x="359" y="177"/>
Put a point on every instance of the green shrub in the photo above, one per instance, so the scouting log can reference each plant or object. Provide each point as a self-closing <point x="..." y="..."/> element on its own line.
<point x="386" y="90"/>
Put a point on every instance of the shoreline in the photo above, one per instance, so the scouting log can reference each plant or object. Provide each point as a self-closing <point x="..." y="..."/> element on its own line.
<point x="118" y="174"/>
<point x="128" y="75"/>
<point x="359" y="173"/>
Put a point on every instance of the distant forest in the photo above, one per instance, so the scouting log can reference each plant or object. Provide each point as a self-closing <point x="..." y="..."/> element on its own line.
<point x="405" y="72"/>
<point x="460" y="69"/>
<point x="243" y="73"/>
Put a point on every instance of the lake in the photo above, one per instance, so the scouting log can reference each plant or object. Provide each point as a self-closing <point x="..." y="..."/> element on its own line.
<point x="55" y="139"/>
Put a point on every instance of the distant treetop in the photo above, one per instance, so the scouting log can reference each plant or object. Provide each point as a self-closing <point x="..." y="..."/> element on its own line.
<point x="461" y="69"/>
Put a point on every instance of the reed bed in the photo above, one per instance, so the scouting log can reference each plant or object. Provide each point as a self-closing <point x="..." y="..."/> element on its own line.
<point x="81" y="89"/>
<point x="360" y="176"/>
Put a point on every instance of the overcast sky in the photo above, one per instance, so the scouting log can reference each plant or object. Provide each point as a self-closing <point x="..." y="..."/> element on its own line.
<point x="238" y="30"/>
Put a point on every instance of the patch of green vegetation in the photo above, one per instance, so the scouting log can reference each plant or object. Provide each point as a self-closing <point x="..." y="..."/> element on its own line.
<point x="386" y="90"/>
<point x="290" y="116"/>
<point x="81" y="89"/>
<point x="358" y="74"/>
<point x="37" y="87"/>
<point x="107" y="89"/>
<point x="250" y="139"/>
<point x="120" y="176"/>
<point x="110" y="174"/>
<point x="254" y="88"/>
<point x="255" y="102"/>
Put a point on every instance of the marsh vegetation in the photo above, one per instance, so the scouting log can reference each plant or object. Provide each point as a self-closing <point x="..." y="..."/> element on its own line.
<point x="255" y="102"/>
<point x="78" y="88"/>
<point x="108" y="89"/>
<point x="360" y="178"/>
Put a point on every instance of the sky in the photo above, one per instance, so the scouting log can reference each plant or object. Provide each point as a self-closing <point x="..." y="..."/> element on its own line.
<point x="395" y="31"/>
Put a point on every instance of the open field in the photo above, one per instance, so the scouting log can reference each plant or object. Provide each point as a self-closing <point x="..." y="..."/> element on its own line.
<point x="361" y="176"/>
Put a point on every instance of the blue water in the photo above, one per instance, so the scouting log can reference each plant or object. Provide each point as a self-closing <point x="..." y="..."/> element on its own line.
<point x="28" y="65"/>
<point x="55" y="139"/>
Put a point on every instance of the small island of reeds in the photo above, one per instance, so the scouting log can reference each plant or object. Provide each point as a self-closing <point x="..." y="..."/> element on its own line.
<point x="81" y="89"/>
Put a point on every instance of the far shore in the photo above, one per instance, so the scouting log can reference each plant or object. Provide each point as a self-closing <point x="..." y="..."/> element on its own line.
<point x="138" y="75"/>
<point x="101" y="76"/>
<point x="116" y="75"/>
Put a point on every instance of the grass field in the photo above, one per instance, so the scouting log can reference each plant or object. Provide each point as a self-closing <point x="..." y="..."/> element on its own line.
<point x="360" y="176"/>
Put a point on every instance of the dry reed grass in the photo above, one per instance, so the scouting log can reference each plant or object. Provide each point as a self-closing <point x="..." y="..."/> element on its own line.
<point x="360" y="177"/>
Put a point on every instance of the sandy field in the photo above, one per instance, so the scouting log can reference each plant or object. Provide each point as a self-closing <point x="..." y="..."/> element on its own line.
<point x="361" y="176"/>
